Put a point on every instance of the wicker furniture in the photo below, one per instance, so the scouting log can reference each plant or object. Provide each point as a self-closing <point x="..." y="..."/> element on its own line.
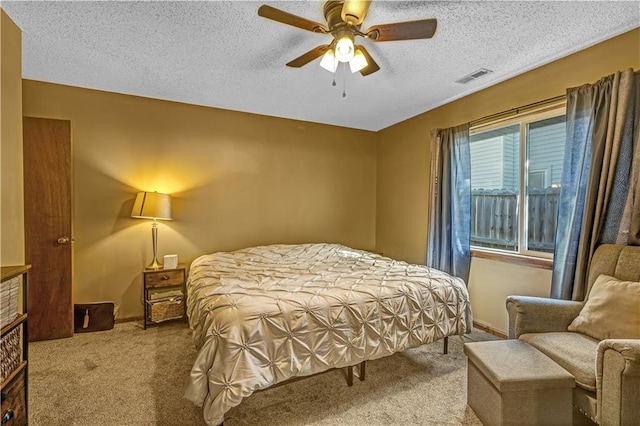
<point x="14" y="342"/>
<point x="607" y="372"/>
<point x="511" y="383"/>
<point x="164" y="295"/>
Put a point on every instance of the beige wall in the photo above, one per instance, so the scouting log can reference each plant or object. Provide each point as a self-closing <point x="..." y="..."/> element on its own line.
<point x="403" y="168"/>
<point x="237" y="180"/>
<point x="11" y="204"/>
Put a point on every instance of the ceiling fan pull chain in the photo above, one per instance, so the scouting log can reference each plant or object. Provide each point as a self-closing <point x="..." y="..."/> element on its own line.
<point x="334" y="73"/>
<point x="344" y="80"/>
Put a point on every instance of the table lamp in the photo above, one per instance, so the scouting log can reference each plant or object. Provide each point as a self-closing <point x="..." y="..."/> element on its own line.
<point x="156" y="206"/>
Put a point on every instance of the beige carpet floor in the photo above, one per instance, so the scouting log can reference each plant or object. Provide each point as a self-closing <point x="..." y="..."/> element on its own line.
<point x="131" y="376"/>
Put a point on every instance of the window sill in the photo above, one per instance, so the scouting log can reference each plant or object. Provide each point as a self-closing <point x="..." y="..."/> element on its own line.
<point x="514" y="258"/>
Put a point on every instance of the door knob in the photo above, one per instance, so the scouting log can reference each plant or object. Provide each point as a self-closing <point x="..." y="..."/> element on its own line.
<point x="7" y="416"/>
<point x="63" y="240"/>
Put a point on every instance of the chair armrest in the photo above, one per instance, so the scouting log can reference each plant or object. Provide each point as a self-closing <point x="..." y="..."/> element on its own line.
<point x="618" y="381"/>
<point x="539" y="314"/>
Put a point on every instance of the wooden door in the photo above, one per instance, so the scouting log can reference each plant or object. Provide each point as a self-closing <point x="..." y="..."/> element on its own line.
<point x="47" y="226"/>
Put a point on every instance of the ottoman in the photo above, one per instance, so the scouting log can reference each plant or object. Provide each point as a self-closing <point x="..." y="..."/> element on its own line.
<point x="511" y="383"/>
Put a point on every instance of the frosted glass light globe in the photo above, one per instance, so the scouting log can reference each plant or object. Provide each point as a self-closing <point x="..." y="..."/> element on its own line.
<point x="344" y="49"/>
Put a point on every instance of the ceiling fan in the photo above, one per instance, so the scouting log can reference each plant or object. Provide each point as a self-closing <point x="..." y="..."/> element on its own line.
<point x="344" y="19"/>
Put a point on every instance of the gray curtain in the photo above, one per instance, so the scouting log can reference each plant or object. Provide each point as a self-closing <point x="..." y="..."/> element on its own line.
<point x="450" y="204"/>
<point x="600" y="195"/>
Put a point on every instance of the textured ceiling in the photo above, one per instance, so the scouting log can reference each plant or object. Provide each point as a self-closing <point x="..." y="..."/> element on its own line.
<point x="222" y="54"/>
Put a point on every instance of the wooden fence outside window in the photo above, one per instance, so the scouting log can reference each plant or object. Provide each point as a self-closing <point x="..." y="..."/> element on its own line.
<point x="494" y="218"/>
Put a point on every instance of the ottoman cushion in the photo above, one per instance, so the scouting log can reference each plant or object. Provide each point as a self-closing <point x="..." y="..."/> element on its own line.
<point x="513" y="365"/>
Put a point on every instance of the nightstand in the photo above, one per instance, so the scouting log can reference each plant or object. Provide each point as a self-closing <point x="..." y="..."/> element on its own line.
<point x="164" y="294"/>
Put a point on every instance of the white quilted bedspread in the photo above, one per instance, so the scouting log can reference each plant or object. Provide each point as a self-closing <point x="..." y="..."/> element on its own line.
<point x="265" y="314"/>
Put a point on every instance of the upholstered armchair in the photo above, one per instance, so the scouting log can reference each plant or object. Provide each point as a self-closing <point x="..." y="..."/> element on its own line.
<point x="606" y="370"/>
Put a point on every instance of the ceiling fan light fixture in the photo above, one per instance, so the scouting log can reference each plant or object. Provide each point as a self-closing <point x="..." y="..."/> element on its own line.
<point x="329" y="61"/>
<point x="343" y="21"/>
<point x="358" y="61"/>
<point x="344" y="49"/>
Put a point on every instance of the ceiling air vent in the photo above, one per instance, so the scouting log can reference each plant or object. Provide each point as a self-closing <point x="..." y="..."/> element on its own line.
<point x="476" y="74"/>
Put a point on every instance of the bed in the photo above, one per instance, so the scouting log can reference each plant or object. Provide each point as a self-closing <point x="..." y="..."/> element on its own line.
<point x="263" y="315"/>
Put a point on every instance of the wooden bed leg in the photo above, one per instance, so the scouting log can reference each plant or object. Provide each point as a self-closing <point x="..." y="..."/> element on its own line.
<point x="446" y="345"/>
<point x="361" y="373"/>
<point x="350" y="375"/>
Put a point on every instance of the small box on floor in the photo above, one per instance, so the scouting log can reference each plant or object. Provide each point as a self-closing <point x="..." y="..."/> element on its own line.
<point x="94" y="316"/>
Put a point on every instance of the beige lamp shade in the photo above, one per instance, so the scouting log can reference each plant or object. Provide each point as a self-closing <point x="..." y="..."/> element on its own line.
<point x="152" y="205"/>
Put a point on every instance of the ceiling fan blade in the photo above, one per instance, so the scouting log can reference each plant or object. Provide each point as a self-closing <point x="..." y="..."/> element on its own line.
<point x="289" y="19"/>
<point x="354" y="11"/>
<point x="410" y="30"/>
<point x="309" y="56"/>
<point x="371" y="64"/>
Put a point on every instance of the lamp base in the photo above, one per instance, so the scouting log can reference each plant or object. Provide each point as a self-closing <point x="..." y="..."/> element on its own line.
<point x="154" y="240"/>
<point x="154" y="265"/>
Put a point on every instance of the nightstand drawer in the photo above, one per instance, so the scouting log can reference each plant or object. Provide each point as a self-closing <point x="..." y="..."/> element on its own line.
<point x="163" y="278"/>
<point x="165" y="310"/>
<point x="14" y="411"/>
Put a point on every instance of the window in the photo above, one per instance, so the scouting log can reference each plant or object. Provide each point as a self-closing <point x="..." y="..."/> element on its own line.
<point x="537" y="178"/>
<point x="516" y="167"/>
